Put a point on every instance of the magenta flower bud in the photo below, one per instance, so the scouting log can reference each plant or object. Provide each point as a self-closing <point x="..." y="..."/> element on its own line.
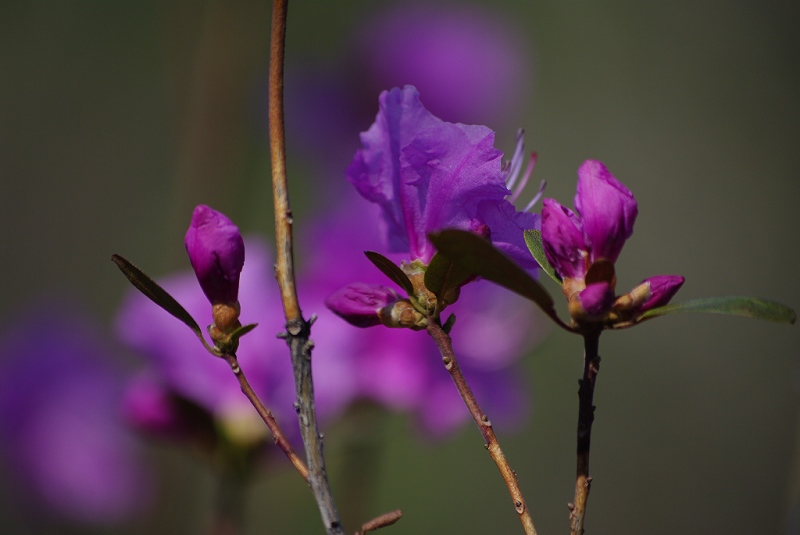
<point x="216" y="251"/>
<point x="360" y="303"/>
<point x="656" y="291"/>
<point x="593" y="302"/>
<point x="607" y="208"/>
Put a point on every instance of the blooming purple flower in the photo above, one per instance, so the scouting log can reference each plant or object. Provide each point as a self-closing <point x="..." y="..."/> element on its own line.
<point x="216" y="251"/>
<point x="61" y="433"/>
<point x="398" y="368"/>
<point x="590" y="240"/>
<point x="428" y="175"/>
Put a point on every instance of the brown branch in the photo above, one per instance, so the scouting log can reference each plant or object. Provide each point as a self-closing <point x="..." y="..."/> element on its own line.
<point x="583" y="482"/>
<point x="297" y="329"/>
<point x="277" y="435"/>
<point x="284" y="267"/>
<point x="443" y="341"/>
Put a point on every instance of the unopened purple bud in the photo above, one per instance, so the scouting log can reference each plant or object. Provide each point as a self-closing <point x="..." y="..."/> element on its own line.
<point x="216" y="251"/>
<point x="607" y="208"/>
<point x="360" y="304"/>
<point x="656" y="291"/>
<point x="593" y="302"/>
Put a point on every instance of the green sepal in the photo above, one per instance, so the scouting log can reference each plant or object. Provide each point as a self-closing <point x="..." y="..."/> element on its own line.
<point x="533" y="239"/>
<point x="442" y="275"/>
<point x="748" y="307"/>
<point x="474" y="254"/>
<point x="448" y="325"/>
<point x="158" y="295"/>
<point x="391" y="270"/>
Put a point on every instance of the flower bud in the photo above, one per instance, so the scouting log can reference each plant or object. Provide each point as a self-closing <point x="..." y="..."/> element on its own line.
<point x="592" y="303"/>
<point x="216" y="251"/>
<point x="360" y="304"/>
<point x="655" y="291"/>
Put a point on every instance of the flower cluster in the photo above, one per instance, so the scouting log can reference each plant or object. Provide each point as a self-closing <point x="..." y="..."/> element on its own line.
<point x="583" y="246"/>
<point x="427" y="175"/>
<point x="394" y="368"/>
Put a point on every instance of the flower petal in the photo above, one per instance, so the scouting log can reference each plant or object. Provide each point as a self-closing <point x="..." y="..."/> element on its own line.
<point x="508" y="228"/>
<point x="564" y="243"/>
<point x="426" y="174"/>
<point x="607" y="208"/>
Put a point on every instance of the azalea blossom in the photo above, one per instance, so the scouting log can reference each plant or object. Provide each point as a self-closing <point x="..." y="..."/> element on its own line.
<point x="428" y="175"/>
<point x="398" y="368"/>
<point x="583" y="246"/>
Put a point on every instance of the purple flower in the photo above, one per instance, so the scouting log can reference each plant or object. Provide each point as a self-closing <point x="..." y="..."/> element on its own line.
<point x="399" y="368"/>
<point x="63" y="437"/>
<point x="606" y="212"/>
<point x="216" y="251"/>
<point x="428" y="175"/>
<point x="586" y="244"/>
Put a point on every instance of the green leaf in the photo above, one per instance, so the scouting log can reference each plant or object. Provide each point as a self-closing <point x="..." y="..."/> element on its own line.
<point x="158" y="295"/>
<point x="442" y="275"/>
<point x="533" y="239"/>
<point x="748" y="307"/>
<point x="391" y="270"/>
<point x="476" y="255"/>
<point x="448" y="325"/>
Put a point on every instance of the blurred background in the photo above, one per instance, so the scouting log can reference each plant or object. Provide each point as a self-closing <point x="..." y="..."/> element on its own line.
<point x="118" y="118"/>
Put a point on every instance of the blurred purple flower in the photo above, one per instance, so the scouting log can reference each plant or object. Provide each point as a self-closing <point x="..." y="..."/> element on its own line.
<point x="63" y="437"/>
<point x="471" y="65"/>
<point x="590" y="240"/>
<point x="184" y="368"/>
<point x="428" y="175"/>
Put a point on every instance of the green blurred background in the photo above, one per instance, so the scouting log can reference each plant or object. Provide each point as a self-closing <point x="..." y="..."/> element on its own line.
<point x="118" y="117"/>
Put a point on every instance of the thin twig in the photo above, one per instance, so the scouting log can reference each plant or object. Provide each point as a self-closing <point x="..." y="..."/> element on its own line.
<point x="443" y="341"/>
<point x="297" y="329"/>
<point x="583" y="482"/>
<point x="386" y="519"/>
<point x="277" y="435"/>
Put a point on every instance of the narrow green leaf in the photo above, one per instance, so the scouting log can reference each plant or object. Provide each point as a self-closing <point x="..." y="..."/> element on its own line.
<point x="391" y="270"/>
<point x="156" y="294"/>
<point x="442" y="275"/>
<point x="748" y="307"/>
<point x="476" y="255"/>
<point x="448" y="325"/>
<point x="533" y="239"/>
